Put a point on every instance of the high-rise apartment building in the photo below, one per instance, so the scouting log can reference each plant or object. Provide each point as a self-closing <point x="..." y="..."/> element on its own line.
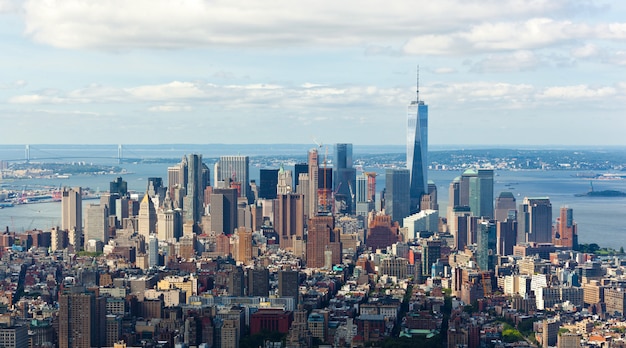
<point x="236" y="170"/>
<point x="81" y="319"/>
<point x="417" y="150"/>
<point x="397" y="198"/>
<point x="535" y="220"/>
<point x="72" y="209"/>
<point x="345" y="177"/>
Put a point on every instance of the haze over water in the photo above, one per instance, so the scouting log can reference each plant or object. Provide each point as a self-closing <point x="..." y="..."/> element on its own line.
<point x="598" y="218"/>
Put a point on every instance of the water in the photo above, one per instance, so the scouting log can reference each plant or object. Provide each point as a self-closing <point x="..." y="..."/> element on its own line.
<point x="598" y="218"/>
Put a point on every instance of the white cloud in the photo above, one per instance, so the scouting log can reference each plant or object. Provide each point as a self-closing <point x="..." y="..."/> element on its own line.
<point x="170" y="108"/>
<point x="533" y="33"/>
<point x="123" y="25"/>
<point x="517" y="61"/>
<point x="578" y="92"/>
<point x="586" y="51"/>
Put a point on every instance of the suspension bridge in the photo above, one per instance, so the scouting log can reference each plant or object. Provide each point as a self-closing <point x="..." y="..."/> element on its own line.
<point x="35" y="153"/>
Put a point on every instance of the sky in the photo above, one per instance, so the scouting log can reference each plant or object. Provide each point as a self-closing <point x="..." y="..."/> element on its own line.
<point x="493" y="72"/>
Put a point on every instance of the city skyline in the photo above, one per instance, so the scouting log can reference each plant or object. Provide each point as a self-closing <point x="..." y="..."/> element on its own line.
<point x="293" y="73"/>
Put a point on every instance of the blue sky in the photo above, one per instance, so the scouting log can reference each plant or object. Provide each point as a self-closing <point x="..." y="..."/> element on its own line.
<point x="537" y="72"/>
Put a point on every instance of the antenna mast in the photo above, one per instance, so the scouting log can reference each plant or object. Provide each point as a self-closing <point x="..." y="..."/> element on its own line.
<point x="418" y="85"/>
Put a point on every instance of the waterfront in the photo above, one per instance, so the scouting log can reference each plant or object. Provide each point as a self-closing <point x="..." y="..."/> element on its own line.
<point x="598" y="218"/>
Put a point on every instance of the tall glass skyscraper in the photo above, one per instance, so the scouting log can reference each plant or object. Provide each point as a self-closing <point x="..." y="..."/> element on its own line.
<point x="417" y="151"/>
<point x="345" y="177"/>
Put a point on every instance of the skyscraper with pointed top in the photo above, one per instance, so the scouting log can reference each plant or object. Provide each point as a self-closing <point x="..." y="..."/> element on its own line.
<point x="417" y="149"/>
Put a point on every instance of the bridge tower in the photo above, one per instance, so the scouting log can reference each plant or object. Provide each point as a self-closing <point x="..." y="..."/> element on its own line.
<point x="27" y="153"/>
<point x="119" y="154"/>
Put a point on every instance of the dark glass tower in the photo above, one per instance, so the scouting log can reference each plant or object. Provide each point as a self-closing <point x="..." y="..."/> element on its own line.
<point x="397" y="198"/>
<point x="345" y="177"/>
<point x="417" y="150"/>
<point x="269" y="183"/>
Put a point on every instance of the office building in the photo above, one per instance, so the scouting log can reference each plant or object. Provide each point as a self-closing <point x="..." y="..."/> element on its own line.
<point x="566" y="229"/>
<point x="322" y="237"/>
<point x="535" y="220"/>
<point x="119" y="187"/>
<point x="269" y="183"/>
<point x="285" y="182"/>
<point x="474" y="189"/>
<point x="153" y="251"/>
<point x="289" y="219"/>
<point x="169" y="224"/>
<point x="193" y="202"/>
<point x="224" y="210"/>
<point x="506" y="207"/>
<point x="506" y="236"/>
<point x="289" y="284"/>
<point x="459" y="219"/>
<point x="147" y="218"/>
<point x="313" y="166"/>
<point x="259" y="282"/>
<point x="417" y="151"/>
<point x="431" y="253"/>
<point x="299" y="168"/>
<point x="14" y="336"/>
<point x="486" y="245"/>
<point x="236" y="171"/>
<point x="72" y="209"/>
<point x="397" y="198"/>
<point x="344" y="177"/>
<point x="97" y="223"/>
<point x="243" y="247"/>
<point x="382" y="232"/>
<point x="325" y="196"/>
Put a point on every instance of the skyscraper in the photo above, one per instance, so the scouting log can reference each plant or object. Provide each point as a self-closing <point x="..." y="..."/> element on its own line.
<point x="147" y="219"/>
<point x="289" y="284"/>
<point x="505" y="207"/>
<point x="313" y="162"/>
<point x="345" y="176"/>
<point x="397" y="199"/>
<point x="481" y="193"/>
<point x="72" y="209"/>
<point x="236" y="169"/>
<point x="269" y="183"/>
<point x="224" y="210"/>
<point x="322" y="237"/>
<point x="486" y="245"/>
<point x="417" y="150"/>
<point x="285" y="182"/>
<point x="81" y="319"/>
<point x="535" y="220"/>
<point x="289" y="219"/>
<point x="97" y="223"/>
<point x="194" y="200"/>
<point x="565" y="229"/>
